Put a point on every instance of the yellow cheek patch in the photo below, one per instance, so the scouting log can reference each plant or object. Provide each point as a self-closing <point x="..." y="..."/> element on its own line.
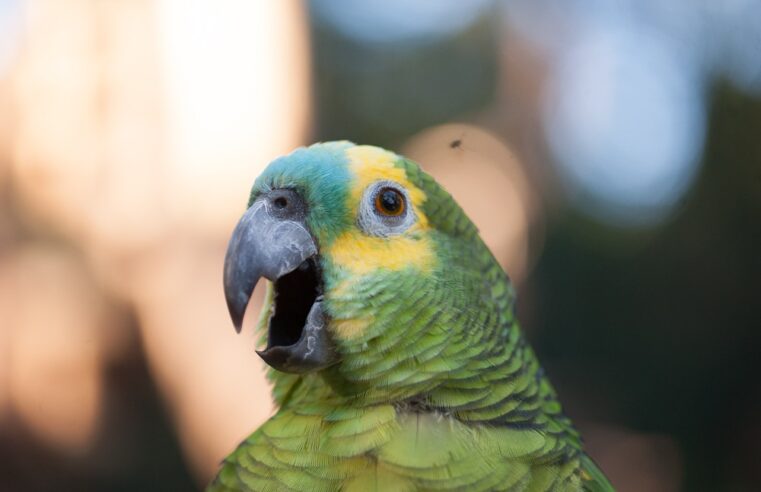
<point x="365" y="254"/>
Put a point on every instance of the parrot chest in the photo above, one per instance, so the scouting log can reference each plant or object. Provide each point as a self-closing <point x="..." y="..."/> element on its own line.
<point x="380" y="449"/>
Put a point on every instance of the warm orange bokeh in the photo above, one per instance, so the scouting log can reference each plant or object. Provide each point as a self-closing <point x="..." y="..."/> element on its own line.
<point x="140" y="128"/>
<point x="58" y="344"/>
<point x="486" y="179"/>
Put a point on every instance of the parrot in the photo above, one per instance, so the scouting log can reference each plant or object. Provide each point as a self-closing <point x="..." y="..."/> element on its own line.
<point x="396" y="359"/>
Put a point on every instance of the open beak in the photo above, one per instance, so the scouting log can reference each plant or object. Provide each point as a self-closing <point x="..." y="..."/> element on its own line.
<point x="272" y="241"/>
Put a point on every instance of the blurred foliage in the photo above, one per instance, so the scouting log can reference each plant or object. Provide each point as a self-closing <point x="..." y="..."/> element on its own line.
<point x="660" y="331"/>
<point x="381" y="93"/>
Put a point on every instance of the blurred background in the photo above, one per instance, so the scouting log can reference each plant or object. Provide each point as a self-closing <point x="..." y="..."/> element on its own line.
<point x="610" y="152"/>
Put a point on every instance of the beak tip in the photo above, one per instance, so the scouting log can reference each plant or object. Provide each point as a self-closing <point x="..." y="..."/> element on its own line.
<point x="236" y="315"/>
<point x="236" y="312"/>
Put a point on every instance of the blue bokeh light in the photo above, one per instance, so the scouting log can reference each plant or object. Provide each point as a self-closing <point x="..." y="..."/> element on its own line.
<point x="625" y="109"/>
<point x="625" y="120"/>
<point x="382" y="21"/>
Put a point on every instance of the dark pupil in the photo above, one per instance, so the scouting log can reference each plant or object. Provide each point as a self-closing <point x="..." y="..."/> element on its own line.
<point x="390" y="201"/>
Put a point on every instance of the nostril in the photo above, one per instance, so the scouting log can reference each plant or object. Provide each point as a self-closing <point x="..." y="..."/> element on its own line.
<point x="285" y="203"/>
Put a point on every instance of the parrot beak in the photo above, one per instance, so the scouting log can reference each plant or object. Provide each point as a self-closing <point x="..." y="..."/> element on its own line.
<point x="272" y="241"/>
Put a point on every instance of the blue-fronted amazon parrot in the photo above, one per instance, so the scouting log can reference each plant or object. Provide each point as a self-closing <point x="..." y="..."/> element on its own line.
<point x="396" y="358"/>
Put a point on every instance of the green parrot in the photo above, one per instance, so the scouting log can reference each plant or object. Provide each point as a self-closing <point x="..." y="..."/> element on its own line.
<point x="397" y="362"/>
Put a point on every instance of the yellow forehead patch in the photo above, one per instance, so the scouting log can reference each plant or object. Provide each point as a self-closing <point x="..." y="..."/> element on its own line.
<point x="364" y="254"/>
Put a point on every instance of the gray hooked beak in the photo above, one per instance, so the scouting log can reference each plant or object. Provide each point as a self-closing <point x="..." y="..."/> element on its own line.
<point x="272" y="241"/>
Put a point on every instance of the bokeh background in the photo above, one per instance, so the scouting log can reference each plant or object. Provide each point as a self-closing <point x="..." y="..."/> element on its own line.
<point x="610" y="152"/>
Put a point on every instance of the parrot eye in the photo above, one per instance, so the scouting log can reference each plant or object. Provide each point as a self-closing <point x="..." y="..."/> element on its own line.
<point x="389" y="201"/>
<point x="384" y="210"/>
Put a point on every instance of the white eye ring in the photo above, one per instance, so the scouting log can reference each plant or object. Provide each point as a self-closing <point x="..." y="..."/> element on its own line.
<point x="373" y="223"/>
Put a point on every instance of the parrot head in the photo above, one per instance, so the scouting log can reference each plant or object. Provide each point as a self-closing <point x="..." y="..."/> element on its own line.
<point x="376" y="275"/>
